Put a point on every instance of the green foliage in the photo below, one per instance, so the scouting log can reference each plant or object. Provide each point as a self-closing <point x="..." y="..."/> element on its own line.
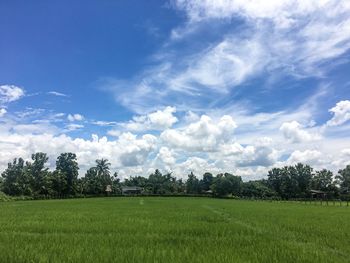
<point x="39" y="174"/>
<point x="192" y="184"/>
<point x="206" y="182"/>
<point x="4" y="197"/>
<point x="226" y="184"/>
<point x="67" y="167"/>
<point x="257" y="189"/>
<point x="343" y="179"/>
<point x="96" y="179"/>
<point x="297" y="181"/>
<point x="16" y="179"/>
<point x="59" y="184"/>
<point x="33" y="179"/>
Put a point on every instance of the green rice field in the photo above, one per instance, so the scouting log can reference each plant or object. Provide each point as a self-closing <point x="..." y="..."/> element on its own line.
<point x="172" y="229"/>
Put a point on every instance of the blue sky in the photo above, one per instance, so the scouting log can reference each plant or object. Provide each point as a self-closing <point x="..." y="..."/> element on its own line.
<point x="180" y="85"/>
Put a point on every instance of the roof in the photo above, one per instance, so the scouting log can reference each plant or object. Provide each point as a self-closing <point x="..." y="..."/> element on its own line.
<point x="317" y="192"/>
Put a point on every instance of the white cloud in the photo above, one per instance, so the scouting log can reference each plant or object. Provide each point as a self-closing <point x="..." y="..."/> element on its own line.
<point x="127" y="150"/>
<point x="114" y="133"/>
<point x="205" y="144"/>
<point x="293" y="131"/>
<point x="104" y="123"/>
<point x="59" y="94"/>
<point x="260" y="153"/>
<point x="191" y="117"/>
<point x="203" y="135"/>
<point x="158" y="120"/>
<point x="342" y="160"/>
<point x="281" y="12"/>
<point x="166" y="156"/>
<point x="9" y="93"/>
<point x="341" y="113"/>
<point x="75" y="117"/>
<point x="227" y="64"/>
<point x="135" y="151"/>
<point x="2" y="112"/>
<point x="274" y="38"/>
<point x="298" y="33"/>
<point x="308" y="156"/>
<point x="74" y="126"/>
<point x="196" y="165"/>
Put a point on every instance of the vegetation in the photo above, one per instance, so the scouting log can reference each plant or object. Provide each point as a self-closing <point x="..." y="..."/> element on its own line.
<point x="174" y="229"/>
<point x="34" y="179"/>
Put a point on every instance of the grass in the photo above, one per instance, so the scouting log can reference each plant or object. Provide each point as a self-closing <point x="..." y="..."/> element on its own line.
<point x="155" y="229"/>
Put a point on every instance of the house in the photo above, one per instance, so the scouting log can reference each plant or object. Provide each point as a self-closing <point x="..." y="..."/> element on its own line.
<point x="131" y="190"/>
<point x="318" y="194"/>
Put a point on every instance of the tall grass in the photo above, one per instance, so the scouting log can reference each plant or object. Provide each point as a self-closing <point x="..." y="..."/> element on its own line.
<point x="155" y="229"/>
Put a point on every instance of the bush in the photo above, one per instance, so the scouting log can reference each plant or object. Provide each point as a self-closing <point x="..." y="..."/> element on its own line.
<point x="4" y="197"/>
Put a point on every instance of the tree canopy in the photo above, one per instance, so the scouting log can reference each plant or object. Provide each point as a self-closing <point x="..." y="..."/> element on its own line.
<point x="33" y="178"/>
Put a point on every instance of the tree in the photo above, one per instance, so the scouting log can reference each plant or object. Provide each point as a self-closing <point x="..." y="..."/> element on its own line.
<point x="39" y="174"/>
<point x="343" y="179"/>
<point x="304" y="176"/>
<point x="16" y="179"/>
<point x="206" y="181"/>
<point x="257" y="189"/>
<point x="221" y="186"/>
<point x="274" y="180"/>
<point x="59" y="184"/>
<point x="158" y="183"/>
<point x="236" y="183"/>
<point x="103" y="174"/>
<point x="116" y="185"/>
<point x="291" y="181"/>
<point x="92" y="183"/>
<point x="192" y="184"/>
<point x="225" y="184"/>
<point x="67" y="166"/>
<point x="322" y="180"/>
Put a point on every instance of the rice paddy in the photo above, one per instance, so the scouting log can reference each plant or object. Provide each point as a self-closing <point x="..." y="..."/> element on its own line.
<point x="172" y="229"/>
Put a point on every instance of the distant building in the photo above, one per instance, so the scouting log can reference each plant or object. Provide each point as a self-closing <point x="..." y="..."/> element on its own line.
<point x="108" y="189"/>
<point x="318" y="194"/>
<point x="131" y="190"/>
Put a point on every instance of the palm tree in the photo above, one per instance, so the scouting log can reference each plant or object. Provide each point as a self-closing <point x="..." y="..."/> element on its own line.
<point x="103" y="172"/>
<point x="102" y="167"/>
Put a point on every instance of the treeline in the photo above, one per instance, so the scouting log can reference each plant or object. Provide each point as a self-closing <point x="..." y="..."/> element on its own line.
<point x="34" y="179"/>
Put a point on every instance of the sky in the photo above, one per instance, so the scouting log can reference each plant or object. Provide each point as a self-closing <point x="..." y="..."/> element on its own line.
<point x="236" y="86"/>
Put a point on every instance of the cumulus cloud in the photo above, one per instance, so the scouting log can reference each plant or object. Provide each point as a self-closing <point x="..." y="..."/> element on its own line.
<point x="342" y="159"/>
<point x="135" y="150"/>
<point x="293" y="131"/>
<point x="308" y="156"/>
<point x="203" y="135"/>
<point x="75" y="117"/>
<point x="166" y="156"/>
<point x="341" y="113"/>
<point x="127" y="150"/>
<point x="165" y="159"/>
<point x="158" y="120"/>
<point x="196" y="165"/>
<point x="260" y="153"/>
<point x="9" y="93"/>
